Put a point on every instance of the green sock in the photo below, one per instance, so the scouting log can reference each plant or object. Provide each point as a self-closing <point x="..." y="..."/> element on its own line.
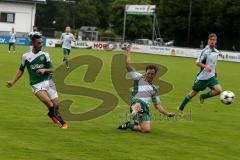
<point x="131" y="125"/>
<point x="65" y="59"/>
<point x="207" y="95"/>
<point x="184" y="102"/>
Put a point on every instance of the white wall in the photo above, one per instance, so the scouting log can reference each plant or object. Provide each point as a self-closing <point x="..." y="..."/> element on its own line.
<point x="24" y="16"/>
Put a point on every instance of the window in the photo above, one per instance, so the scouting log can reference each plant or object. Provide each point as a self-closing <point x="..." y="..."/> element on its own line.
<point x="7" y="17"/>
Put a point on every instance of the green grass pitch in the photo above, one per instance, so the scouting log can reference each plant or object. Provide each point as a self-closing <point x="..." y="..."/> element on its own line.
<point x="27" y="133"/>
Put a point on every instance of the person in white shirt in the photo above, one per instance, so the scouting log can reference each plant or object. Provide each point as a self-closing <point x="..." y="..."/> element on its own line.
<point x="142" y="94"/>
<point x="66" y="38"/>
<point x="207" y="76"/>
<point x="12" y="41"/>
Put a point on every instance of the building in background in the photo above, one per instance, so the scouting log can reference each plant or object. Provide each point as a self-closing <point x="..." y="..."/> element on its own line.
<point x="88" y="33"/>
<point x="19" y="14"/>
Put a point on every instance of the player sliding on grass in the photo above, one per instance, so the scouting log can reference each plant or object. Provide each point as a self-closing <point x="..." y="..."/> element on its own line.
<point x="207" y="61"/>
<point x="40" y="69"/>
<point x="66" y="40"/>
<point x="143" y="92"/>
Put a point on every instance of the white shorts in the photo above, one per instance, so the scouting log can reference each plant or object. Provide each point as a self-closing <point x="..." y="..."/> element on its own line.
<point x="48" y="86"/>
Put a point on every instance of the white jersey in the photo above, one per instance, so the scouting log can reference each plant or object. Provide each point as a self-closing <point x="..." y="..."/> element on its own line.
<point x="209" y="57"/>
<point x="67" y="39"/>
<point x="13" y="37"/>
<point x="143" y="89"/>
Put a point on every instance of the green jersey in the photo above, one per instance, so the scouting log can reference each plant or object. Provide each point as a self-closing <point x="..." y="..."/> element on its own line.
<point x="33" y="62"/>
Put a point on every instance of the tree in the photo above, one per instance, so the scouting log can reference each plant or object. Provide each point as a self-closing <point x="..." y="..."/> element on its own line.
<point x="136" y="26"/>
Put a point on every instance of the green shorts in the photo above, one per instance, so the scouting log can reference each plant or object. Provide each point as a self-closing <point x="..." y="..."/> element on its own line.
<point x="145" y="116"/>
<point x="66" y="51"/>
<point x="200" y="85"/>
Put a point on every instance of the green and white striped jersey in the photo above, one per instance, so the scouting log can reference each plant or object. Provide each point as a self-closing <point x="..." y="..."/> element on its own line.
<point x="144" y="90"/>
<point x="67" y="39"/>
<point x="209" y="57"/>
<point x="33" y="62"/>
<point x="13" y="37"/>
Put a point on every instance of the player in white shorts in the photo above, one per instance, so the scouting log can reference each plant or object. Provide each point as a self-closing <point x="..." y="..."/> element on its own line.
<point x="12" y="41"/>
<point x="66" y="39"/>
<point x="40" y="69"/>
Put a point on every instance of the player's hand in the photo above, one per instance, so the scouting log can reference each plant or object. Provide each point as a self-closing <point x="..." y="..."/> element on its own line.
<point x="208" y="69"/>
<point x="171" y="114"/>
<point x="9" y="83"/>
<point x="41" y="71"/>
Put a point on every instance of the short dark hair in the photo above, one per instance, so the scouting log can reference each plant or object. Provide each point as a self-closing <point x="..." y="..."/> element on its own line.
<point x="151" y="67"/>
<point x="35" y="37"/>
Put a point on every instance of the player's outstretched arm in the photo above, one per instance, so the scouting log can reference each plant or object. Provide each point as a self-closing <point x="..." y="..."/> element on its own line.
<point x="163" y="111"/>
<point x="129" y="66"/>
<point x="18" y="75"/>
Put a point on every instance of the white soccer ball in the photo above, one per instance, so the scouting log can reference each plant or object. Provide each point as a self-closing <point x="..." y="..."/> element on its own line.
<point x="227" y="97"/>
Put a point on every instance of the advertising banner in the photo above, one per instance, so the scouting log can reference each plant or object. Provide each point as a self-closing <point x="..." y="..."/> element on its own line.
<point x="20" y="40"/>
<point x="51" y="42"/>
<point x="140" y="9"/>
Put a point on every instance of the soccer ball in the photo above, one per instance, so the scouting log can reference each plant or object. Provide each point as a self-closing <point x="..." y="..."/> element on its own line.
<point x="227" y="97"/>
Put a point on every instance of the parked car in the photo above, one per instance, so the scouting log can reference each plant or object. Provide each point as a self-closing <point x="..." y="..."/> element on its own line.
<point x="160" y="42"/>
<point x="144" y="41"/>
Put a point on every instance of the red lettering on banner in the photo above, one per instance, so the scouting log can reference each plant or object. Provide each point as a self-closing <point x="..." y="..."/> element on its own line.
<point x="100" y="45"/>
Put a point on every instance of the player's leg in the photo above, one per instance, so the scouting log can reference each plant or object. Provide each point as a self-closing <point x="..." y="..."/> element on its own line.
<point x="199" y="85"/>
<point x="14" y="47"/>
<point x="145" y="126"/>
<point x="140" y="118"/>
<point x="215" y="87"/>
<point x="9" y="47"/>
<point x="190" y="95"/>
<point x="57" y="114"/>
<point x="65" y="56"/>
<point x="215" y="90"/>
<point x="135" y="116"/>
<point x="52" y="94"/>
<point x="43" y="97"/>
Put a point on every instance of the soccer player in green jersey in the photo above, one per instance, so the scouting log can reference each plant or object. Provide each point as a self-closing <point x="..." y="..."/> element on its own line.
<point x="40" y="69"/>
<point x="12" y="41"/>
<point x="66" y="39"/>
<point x="207" y="77"/>
<point x="143" y="92"/>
